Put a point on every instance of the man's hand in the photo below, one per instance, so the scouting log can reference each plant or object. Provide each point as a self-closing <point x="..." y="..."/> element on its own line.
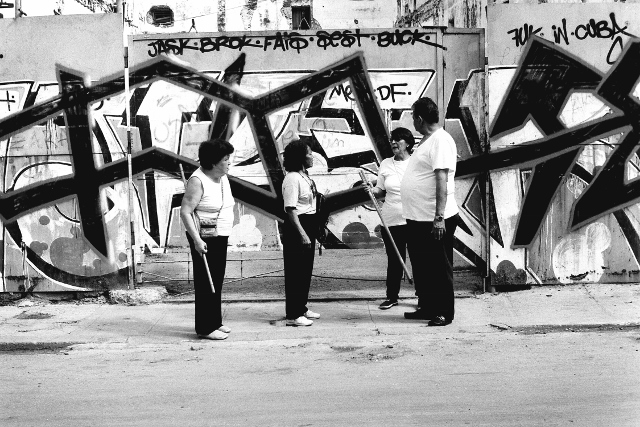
<point x="438" y="229"/>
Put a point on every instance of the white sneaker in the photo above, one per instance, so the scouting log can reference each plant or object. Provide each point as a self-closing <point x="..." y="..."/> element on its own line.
<point x="300" y="321"/>
<point x="311" y="315"/>
<point x="215" y="335"/>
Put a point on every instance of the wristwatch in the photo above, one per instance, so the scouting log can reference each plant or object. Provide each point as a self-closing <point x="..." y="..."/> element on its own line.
<point x="438" y="218"/>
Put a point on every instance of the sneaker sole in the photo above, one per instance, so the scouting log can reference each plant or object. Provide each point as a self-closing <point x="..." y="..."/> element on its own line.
<point x="298" y="324"/>
<point x="386" y="307"/>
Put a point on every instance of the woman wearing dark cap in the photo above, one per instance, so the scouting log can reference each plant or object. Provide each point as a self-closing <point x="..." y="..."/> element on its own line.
<point x="390" y="175"/>
<point x="208" y="195"/>
<point x="300" y="230"/>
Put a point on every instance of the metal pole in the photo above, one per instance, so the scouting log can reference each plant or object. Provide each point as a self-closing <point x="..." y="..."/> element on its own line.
<point x="18" y="8"/>
<point x="132" y="251"/>
<point x="384" y="224"/>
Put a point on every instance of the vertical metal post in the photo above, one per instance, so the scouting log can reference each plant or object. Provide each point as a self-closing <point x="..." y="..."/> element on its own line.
<point x="17" y="4"/>
<point x="127" y="95"/>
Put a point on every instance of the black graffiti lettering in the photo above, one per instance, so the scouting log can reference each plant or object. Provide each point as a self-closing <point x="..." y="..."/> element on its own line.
<point x="390" y="91"/>
<point x="9" y="100"/>
<point x="171" y="46"/>
<point x="277" y="41"/>
<point x="522" y="34"/>
<point x="156" y="50"/>
<point x="560" y="34"/>
<point x="238" y="43"/>
<point x="297" y="42"/>
<point x="342" y="90"/>
<point x="209" y="45"/>
<point x="164" y="46"/>
<point x="326" y="39"/>
<point x="184" y="44"/>
<point x="617" y="42"/>
<point x="397" y="38"/>
<point x="600" y="29"/>
<point x="349" y="38"/>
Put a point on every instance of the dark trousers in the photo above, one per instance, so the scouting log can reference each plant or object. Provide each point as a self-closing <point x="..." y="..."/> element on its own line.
<point x="208" y="304"/>
<point x="298" y="264"/>
<point x="394" y="267"/>
<point x="432" y="265"/>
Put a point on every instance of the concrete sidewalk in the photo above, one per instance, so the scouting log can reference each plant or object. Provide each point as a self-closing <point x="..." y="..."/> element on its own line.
<point x="338" y="274"/>
<point x="34" y="324"/>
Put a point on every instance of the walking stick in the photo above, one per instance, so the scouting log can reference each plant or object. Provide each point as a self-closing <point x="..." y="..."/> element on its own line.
<point x="193" y="216"/>
<point x="393" y="243"/>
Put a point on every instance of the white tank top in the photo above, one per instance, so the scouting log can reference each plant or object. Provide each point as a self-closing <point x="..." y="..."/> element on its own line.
<point x="212" y="199"/>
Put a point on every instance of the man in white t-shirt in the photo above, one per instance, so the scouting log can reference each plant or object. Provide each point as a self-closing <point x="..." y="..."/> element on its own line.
<point x="430" y="209"/>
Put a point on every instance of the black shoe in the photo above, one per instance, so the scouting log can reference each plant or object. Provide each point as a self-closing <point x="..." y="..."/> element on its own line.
<point x="439" y="321"/>
<point x="420" y="314"/>
<point x="388" y="304"/>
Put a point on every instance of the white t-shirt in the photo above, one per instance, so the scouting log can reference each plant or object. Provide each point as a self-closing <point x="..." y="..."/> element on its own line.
<point x="211" y="201"/>
<point x="418" y="188"/>
<point x="390" y="176"/>
<point x="297" y="193"/>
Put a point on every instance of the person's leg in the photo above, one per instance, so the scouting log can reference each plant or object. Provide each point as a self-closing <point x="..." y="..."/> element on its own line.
<point x="307" y="257"/>
<point x="205" y="300"/>
<point x="217" y="259"/>
<point x="291" y="248"/>
<point x="394" y="267"/>
<point x="443" y="271"/>
<point x="418" y="234"/>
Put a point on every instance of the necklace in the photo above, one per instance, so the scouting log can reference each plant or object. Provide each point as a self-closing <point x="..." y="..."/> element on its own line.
<point x="312" y="184"/>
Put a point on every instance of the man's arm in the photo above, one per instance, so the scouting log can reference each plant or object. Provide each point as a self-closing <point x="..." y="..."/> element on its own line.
<point x="442" y="176"/>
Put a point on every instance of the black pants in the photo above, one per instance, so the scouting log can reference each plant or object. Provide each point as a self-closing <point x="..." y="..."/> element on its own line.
<point x="208" y="304"/>
<point x="394" y="267"/>
<point x="298" y="264"/>
<point x="432" y="265"/>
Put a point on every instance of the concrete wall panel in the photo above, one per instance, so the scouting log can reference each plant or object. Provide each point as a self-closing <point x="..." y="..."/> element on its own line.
<point x="563" y="76"/>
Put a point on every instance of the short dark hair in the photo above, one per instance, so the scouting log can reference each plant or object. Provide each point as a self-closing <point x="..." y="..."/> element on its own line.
<point x="403" y="133"/>
<point x="294" y="156"/>
<point x="427" y="110"/>
<point x="212" y="151"/>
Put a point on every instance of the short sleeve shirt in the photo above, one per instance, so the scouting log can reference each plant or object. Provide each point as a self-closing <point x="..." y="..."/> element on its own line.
<point x="418" y="188"/>
<point x="297" y="193"/>
<point x="390" y="176"/>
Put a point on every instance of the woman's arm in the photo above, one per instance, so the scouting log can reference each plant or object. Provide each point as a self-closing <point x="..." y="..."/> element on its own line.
<point x="190" y="201"/>
<point x="293" y="216"/>
<point x="378" y="192"/>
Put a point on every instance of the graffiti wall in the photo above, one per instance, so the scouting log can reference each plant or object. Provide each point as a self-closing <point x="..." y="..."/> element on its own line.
<point x="68" y="212"/>
<point x="563" y="110"/>
<point x="310" y="86"/>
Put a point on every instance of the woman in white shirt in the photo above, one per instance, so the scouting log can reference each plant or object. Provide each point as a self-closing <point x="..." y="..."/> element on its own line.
<point x="299" y="233"/>
<point x="208" y="194"/>
<point x="390" y="175"/>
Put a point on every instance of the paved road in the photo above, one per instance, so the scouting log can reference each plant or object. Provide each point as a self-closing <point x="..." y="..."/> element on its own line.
<point x="501" y="363"/>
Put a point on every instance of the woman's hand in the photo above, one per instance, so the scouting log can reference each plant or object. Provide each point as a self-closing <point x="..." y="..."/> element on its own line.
<point x="201" y="246"/>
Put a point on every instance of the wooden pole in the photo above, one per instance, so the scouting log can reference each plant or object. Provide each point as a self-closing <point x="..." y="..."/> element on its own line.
<point x="384" y="224"/>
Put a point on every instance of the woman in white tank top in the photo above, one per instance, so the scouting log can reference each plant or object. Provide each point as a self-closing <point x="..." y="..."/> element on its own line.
<point x="208" y="195"/>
